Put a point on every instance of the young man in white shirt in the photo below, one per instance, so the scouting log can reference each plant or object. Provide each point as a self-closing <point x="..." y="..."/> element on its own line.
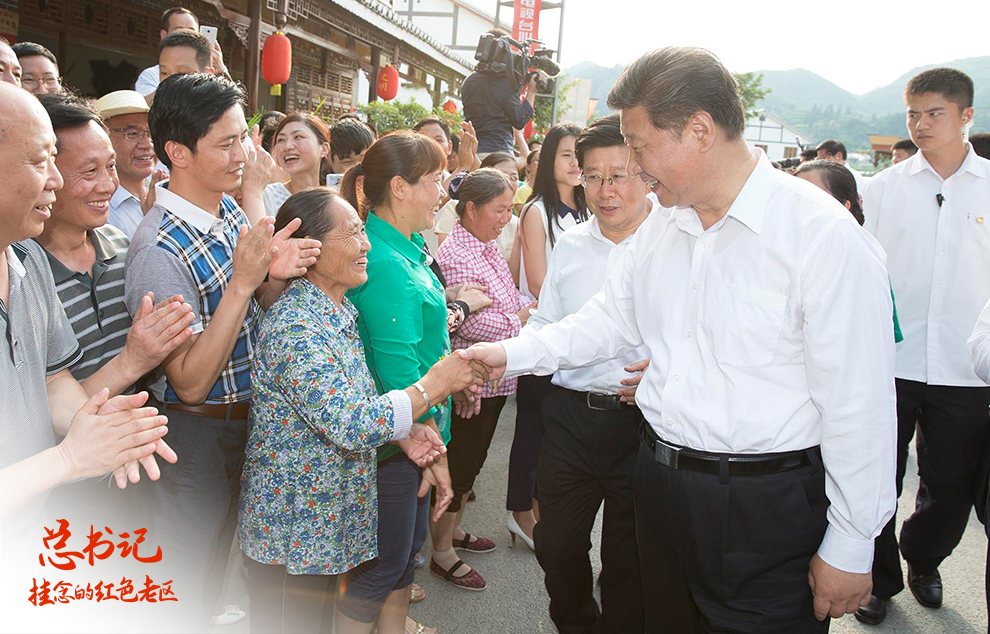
<point x="931" y="213"/>
<point x="766" y="467"/>
<point x="590" y="428"/>
<point x="177" y="19"/>
<point x="173" y="19"/>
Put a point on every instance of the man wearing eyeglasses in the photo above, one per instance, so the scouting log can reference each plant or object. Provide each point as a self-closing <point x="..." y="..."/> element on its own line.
<point x="590" y="423"/>
<point x="39" y="68"/>
<point x="126" y="115"/>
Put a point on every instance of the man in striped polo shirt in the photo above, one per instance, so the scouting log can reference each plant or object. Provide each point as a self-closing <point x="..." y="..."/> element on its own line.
<point x="87" y="257"/>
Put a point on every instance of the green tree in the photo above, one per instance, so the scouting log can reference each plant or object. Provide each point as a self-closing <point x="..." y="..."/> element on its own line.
<point x="393" y="115"/>
<point x="751" y="89"/>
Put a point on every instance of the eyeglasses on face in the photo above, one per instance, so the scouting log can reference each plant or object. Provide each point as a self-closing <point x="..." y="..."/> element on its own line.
<point x="132" y="134"/>
<point x="594" y="181"/>
<point x="48" y="82"/>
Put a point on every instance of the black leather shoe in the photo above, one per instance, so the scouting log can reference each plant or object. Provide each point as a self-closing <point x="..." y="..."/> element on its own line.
<point x="927" y="589"/>
<point x="874" y="612"/>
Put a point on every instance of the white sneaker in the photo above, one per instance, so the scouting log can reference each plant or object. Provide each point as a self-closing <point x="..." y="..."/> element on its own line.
<point x="231" y="614"/>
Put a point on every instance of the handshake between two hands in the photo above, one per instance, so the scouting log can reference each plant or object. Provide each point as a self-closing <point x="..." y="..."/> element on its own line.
<point x="465" y="372"/>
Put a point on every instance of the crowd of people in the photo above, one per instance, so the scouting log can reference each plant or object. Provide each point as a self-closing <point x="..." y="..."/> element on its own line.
<point x="304" y="336"/>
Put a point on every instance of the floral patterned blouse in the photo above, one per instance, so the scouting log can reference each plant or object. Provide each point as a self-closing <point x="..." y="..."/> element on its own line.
<point x="308" y="495"/>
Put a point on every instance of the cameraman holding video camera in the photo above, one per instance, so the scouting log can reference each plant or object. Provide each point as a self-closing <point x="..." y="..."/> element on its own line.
<point x="491" y="94"/>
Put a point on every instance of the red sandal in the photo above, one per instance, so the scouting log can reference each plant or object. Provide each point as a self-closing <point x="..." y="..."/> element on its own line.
<point x="472" y="581"/>
<point x="479" y="545"/>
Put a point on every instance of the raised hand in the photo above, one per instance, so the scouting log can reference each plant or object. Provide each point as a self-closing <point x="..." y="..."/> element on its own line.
<point x="467" y="151"/>
<point x="423" y="446"/>
<point x="492" y="355"/>
<point x="217" y="60"/>
<point x="438" y="476"/>
<point x="108" y="433"/>
<point x="295" y="255"/>
<point x="258" y="167"/>
<point x="156" y="331"/>
<point x="628" y="394"/>
<point x="149" y="198"/>
<point x="253" y="254"/>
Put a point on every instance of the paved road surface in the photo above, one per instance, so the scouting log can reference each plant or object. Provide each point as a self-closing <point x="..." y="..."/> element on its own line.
<point x="516" y="601"/>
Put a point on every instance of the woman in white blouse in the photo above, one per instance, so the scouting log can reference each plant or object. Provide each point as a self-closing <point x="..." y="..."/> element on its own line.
<point x="301" y="147"/>
<point x="556" y="204"/>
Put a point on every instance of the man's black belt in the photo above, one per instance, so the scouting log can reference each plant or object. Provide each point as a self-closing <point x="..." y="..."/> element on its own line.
<point x="600" y="402"/>
<point x="682" y="458"/>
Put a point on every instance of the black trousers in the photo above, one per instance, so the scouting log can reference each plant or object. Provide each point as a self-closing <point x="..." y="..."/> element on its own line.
<point x="193" y="514"/>
<point x="588" y="457"/>
<point x="284" y="603"/>
<point x="525" y="452"/>
<point x="952" y="429"/>
<point x="728" y="554"/>
<point x="468" y="447"/>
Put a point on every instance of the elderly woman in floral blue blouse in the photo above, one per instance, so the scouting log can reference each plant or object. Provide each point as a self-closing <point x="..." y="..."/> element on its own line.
<point x="308" y="505"/>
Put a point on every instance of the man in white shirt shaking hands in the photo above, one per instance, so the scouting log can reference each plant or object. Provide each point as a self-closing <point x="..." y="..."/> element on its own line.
<point x="766" y="466"/>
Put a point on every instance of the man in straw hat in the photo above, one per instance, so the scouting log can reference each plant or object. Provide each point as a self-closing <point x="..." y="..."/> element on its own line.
<point x="126" y="116"/>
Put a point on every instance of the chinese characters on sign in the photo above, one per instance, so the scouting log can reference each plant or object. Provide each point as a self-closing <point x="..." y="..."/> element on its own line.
<point x="526" y="23"/>
<point x="97" y="548"/>
<point x="48" y="593"/>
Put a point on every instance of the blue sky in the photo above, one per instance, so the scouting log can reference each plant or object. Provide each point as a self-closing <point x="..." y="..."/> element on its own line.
<point x="857" y="44"/>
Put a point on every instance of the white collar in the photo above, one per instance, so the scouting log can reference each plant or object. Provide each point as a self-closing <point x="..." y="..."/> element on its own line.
<point x="972" y="164"/>
<point x="14" y="263"/>
<point x="120" y="196"/>
<point x="203" y="220"/>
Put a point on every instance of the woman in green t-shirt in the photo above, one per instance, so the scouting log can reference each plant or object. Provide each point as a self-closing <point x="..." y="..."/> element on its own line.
<point x="403" y="324"/>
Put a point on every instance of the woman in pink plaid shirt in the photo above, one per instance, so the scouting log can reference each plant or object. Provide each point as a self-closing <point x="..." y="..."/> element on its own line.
<point x="470" y="255"/>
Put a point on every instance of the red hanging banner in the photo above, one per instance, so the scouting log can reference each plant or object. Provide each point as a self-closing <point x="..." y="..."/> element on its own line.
<point x="526" y="23"/>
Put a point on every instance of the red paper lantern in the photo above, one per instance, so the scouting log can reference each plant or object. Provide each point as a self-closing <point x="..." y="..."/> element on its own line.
<point x="388" y="83"/>
<point x="450" y="107"/>
<point x="528" y="130"/>
<point x="276" y="61"/>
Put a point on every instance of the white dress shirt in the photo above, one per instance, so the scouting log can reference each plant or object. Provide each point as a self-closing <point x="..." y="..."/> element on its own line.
<point x="125" y="211"/>
<point x="771" y="331"/>
<point x="859" y="178"/>
<point x="578" y="268"/>
<point x="147" y="81"/>
<point x="938" y="259"/>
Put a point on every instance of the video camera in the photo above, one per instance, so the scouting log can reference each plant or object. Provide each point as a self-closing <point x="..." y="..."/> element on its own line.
<point x="495" y="56"/>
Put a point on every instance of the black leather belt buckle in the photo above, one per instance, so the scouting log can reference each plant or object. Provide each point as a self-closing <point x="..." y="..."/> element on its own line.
<point x="603" y="402"/>
<point x="667" y="455"/>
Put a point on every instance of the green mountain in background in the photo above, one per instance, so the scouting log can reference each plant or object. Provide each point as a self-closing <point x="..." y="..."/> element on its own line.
<point x="823" y="110"/>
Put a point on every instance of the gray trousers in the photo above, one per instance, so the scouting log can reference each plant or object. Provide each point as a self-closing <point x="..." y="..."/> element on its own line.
<point x="192" y="512"/>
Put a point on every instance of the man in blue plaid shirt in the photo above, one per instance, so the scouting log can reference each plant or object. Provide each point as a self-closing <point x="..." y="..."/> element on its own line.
<point x="197" y="239"/>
